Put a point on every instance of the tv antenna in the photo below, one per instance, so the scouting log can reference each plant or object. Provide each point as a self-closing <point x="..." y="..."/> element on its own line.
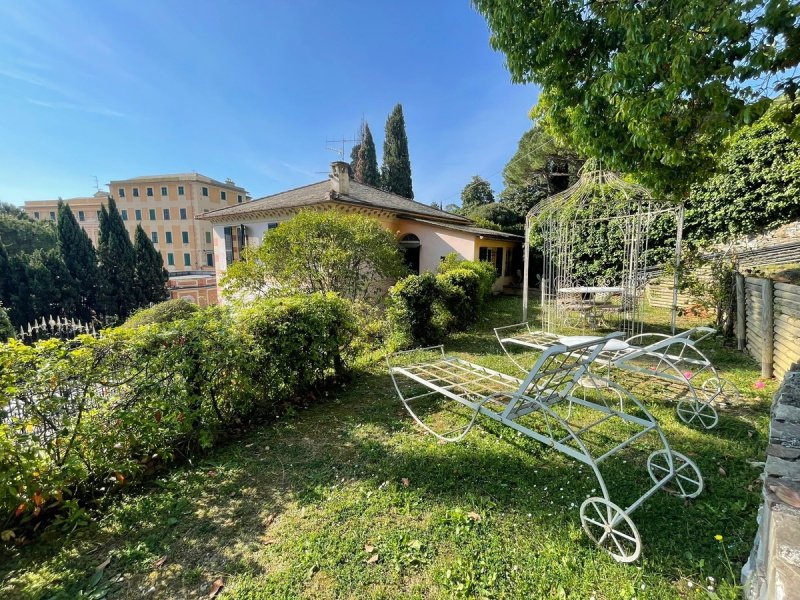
<point x="331" y="145"/>
<point x="96" y="183"/>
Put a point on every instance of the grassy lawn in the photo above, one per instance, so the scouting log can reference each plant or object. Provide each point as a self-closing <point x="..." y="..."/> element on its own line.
<point x="349" y="499"/>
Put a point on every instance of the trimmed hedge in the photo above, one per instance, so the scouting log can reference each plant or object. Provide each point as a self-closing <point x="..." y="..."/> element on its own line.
<point x="424" y="308"/>
<point x="81" y="416"/>
<point x="163" y="312"/>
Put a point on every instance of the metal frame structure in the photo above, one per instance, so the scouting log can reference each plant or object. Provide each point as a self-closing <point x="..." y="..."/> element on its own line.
<point x="597" y="197"/>
<point x="541" y="407"/>
<point x="673" y="359"/>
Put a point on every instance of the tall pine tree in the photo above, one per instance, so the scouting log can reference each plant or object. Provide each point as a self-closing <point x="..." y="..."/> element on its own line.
<point x="396" y="169"/>
<point x="151" y="277"/>
<point x="117" y="265"/>
<point x="366" y="168"/>
<point x="80" y="259"/>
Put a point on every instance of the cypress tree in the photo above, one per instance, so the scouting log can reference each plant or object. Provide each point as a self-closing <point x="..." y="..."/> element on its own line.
<point x="6" y="282"/>
<point x="366" y="170"/>
<point x="79" y="258"/>
<point x="151" y="277"/>
<point x="117" y="264"/>
<point x="396" y="169"/>
<point x="52" y="289"/>
<point x="354" y="159"/>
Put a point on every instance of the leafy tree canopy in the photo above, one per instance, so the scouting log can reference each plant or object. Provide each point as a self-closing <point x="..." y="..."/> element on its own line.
<point x="150" y="276"/>
<point x="12" y="210"/>
<point x="396" y="169"/>
<point x="23" y="236"/>
<point x="319" y="252"/>
<point x="541" y="162"/>
<point x="757" y="185"/>
<point x="365" y="169"/>
<point x="651" y="88"/>
<point x="475" y="193"/>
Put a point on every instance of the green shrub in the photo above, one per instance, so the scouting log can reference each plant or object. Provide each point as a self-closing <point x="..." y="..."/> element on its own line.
<point x="415" y="313"/>
<point x="485" y="271"/>
<point x="6" y="328"/>
<point x="163" y="312"/>
<point x="76" y="415"/>
<point x="460" y="290"/>
<point x="423" y="308"/>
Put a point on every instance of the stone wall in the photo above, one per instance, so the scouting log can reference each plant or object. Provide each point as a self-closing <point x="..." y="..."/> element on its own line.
<point x="773" y="570"/>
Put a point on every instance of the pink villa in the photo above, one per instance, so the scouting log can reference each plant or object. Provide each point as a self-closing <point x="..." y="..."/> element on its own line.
<point x="425" y="233"/>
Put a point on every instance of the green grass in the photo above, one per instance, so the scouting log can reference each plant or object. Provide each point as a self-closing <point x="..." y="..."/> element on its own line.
<point x="288" y="511"/>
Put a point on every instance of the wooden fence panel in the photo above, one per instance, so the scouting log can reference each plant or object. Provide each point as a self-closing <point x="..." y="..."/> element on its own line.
<point x="754" y="339"/>
<point x="787" y="327"/>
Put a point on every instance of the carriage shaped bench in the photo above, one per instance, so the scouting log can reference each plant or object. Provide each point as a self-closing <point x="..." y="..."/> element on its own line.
<point x="673" y="359"/>
<point x="541" y="406"/>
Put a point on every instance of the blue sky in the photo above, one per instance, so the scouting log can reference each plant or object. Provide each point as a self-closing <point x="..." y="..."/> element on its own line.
<point x="247" y="90"/>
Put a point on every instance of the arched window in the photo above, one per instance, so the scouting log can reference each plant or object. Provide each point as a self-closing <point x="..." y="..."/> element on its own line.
<point x="410" y="245"/>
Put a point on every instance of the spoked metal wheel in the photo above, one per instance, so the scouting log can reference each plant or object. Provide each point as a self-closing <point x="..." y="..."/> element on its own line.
<point x="694" y="411"/>
<point x="720" y="390"/>
<point x="611" y="529"/>
<point x="687" y="481"/>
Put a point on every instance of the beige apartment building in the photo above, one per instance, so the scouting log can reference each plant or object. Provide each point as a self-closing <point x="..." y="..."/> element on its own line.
<point x="86" y="210"/>
<point x="165" y="206"/>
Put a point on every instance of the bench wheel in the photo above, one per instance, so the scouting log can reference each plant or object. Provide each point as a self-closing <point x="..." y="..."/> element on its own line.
<point x="611" y="529"/>
<point x="687" y="482"/>
<point x="694" y="411"/>
<point x="720" y="390"/>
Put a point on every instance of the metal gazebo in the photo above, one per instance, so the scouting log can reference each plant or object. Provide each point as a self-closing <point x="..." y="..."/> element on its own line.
<point x="600" y="201"/>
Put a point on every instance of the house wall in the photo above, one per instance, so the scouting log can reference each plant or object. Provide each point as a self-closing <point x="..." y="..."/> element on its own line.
<point x="435" y="242"/>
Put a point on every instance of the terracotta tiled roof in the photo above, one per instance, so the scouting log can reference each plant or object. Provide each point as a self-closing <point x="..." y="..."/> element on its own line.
<point x="320" y="192"/>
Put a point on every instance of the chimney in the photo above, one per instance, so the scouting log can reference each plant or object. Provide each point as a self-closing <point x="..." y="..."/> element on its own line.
<point x="340" y="177"/>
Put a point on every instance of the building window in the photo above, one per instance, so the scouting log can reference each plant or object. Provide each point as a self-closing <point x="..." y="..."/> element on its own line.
<point x="164" y="191"/>
<point x="166" y="214"/>
<point x="209" y="260"/>
<point x="36" y="216"/>
<point x="124" y="214"/>
<point x="185" y="237"/>
<point x="183" y="214"/>
<point x="152" y="214"/>
<point x="168" y="237"/>
<point x="235" y="240"/>
<point x="81" y="216"/>
<point x="52" y="216"/>
<point x="494" y="256"/>
<point x="208" y="237"/>
<point x="138" y="214"/>
<point x="187" y="259"/>
<point x="205" y="191"/>
<point x="121" y="192"/>
<point x="271" y="226"/>
<point x="180" y="190"/>
<point x="223" y="195"/>
<point x="135" y="192"/>
<point x="150" y="192"/>
<point x="154" y="237"/>
<point x="239" y="198"/>
<point x="170" y="259"/>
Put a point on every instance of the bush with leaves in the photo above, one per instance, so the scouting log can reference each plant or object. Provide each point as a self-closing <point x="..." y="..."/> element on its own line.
<point x="485" y="271"/>
<point x="6" y="328"/>
<point x="315" y="251"/>
<point x="76" y="415"/>
<point x="460" y="291"/>
<point x="163" y="312"/>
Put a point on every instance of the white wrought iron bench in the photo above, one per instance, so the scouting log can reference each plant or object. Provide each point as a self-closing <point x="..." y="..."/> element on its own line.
<point x="671" y="358"/>
<point x="543" y="407"/>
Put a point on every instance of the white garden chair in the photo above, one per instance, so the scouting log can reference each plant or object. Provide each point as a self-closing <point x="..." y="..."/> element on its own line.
<point x="540" y="406"/>
<point x="673" y="359"/>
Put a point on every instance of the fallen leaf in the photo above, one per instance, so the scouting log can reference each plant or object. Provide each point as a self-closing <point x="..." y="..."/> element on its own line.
<point x="270" y="518"/>
<point x="405" y="481"/>
<point x="474" y="516"/>
<point x="103" y="565"/>
<point x="7" y="535"/>
<point x="269" y="541"/>
<point x="372" y="559"/>
<point x="158" y="416"/>
<point x="723" y="472"/>
<point x="20" y="509"/>
<point x="216" y="587"/>
<point x="120" y="478"/>
<point x="37" y="498"/>
<point x="787" y="495"/>
<point x="160" y="562"/>
<point x="368" y="548"/>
